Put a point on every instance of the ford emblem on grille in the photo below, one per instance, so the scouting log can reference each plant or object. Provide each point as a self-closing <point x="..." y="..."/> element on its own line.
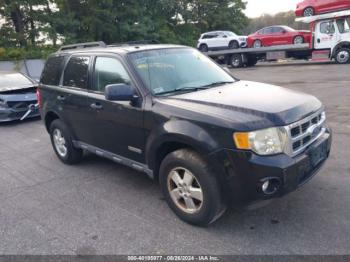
<point x="314" y="130"/>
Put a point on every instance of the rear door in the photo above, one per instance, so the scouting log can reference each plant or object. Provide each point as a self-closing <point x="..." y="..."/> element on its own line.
<point x="72" y="96"/>
<point x="117" y="126"/>
<point x="268" y="37"/>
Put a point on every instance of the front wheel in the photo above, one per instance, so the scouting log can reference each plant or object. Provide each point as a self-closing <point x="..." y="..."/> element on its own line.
<point x="257" y="44"/>
<point x="342" y="56"/>
<point x="190" y="188"/>
<point x="233" y="45"/>
<point x="309" y="12"/>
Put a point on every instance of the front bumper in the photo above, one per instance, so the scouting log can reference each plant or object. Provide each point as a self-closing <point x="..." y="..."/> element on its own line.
<point x="9" y="114"/>
<point x="243" y="172"/>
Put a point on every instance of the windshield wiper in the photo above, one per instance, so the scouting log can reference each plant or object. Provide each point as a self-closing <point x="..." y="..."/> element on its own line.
<point x="183" y="89"/>
<point x="195" y="88"/>
<point x="220" y="83"/>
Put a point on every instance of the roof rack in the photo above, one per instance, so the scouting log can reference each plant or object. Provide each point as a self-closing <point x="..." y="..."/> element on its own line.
<point x="82" y="45"/>
<point x="310" y="19"/>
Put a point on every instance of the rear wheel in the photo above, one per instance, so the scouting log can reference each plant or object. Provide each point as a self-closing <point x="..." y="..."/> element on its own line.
<point x="252" y="61"/>
<point x="203" y="48"/>
<point x="342" y="56"/>
<point x="298" y="40"/>
<point x="233" y="45"/>
<point x="257" y="44"/>
<point x="236" y="61"/>
<point x="190" y="188"/>
<point x="62" y="143"/>
<point x="309" y="11"/>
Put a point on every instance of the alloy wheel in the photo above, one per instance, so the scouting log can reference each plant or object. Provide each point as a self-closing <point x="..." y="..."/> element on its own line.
<point x="60" y="143"/>
<point x="185" y="190"/>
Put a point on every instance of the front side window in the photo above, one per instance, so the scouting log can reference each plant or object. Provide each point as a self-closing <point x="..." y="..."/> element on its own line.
<point x="76" y="72"/>
<point x="327" y="28"/>
<point x="167" y="71"/>
<point x="109" y="71"/>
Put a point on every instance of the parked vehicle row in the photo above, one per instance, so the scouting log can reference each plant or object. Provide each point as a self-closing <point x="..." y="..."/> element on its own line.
<point x="272" y="35"/>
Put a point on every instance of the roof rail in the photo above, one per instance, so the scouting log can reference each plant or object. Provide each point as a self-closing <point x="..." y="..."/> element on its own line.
<point x="82" y="45"/>
<point x="140" y="42"/>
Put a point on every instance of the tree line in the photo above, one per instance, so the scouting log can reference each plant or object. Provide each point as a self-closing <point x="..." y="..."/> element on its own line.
<point x="31" y="23"/>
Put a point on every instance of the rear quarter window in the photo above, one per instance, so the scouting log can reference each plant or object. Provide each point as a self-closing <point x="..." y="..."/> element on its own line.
<point x="52" y="71"/>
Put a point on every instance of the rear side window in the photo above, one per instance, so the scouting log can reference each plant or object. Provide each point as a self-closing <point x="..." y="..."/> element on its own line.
<point x="76" y="72"/>
<point x="109" y="71"/>
<point x="52" y="71"/>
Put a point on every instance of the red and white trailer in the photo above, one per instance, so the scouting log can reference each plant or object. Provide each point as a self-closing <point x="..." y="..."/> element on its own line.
<point x="330" y="41"/>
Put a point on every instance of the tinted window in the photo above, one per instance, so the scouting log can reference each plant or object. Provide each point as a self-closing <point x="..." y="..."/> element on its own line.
<point x="109" y="71"/>
<point x="327" y="28"/>
<point x="76" y="72"/>
<point x="52" y="71"/>
<point x="208" y="36"/>
<point x="277" y="29"/>
<point x="268" y="30"/>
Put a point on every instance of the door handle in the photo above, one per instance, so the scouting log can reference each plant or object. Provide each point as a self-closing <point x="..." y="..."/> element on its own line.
<point x="96" y="106"/>
<point x="61" y="98"/>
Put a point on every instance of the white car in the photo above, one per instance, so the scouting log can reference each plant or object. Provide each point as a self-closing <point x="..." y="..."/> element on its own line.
<point x="219" y="40"/>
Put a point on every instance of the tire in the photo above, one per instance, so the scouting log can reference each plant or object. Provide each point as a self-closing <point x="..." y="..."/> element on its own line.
<point x="233" y="45"/>
<point x="252" y="61"/>
<point x="298" y="40"/>
<point x="342" y="56"/>
<point x="257" y="44"/>
<point x="236" y="61"/>
<point x="309" y="11"/>
<point x="61" y="138"/>
<point x="203" y="48"/>
<point x="179" y="166"/>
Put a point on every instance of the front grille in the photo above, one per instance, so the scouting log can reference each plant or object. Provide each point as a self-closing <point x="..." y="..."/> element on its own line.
<point x="20" y="104"/>
<point x="305" y="132"/>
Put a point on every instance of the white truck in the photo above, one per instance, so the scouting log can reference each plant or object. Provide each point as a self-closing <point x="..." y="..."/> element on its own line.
<point x="330" y="41"/>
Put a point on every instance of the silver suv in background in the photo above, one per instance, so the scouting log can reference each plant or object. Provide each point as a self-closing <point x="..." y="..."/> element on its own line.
<point x="219" y="40"/>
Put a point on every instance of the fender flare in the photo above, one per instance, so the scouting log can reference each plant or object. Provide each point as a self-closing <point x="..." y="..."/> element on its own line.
<point x="178" y="131"/>
<point x="338" y="46"/>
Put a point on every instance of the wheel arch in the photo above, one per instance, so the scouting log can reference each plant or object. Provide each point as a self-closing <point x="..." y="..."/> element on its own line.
<point x="339" y="46"/>
<point x="49" y="118"/>
<point x="175" y="135"/>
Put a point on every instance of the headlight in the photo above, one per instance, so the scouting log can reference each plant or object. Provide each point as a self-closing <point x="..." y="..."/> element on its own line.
<point x="243" y="39"/>
<point x="263" y="142"/>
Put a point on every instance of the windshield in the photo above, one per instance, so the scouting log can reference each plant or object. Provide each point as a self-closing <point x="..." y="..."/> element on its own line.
<point x="167" y="71"/>
<point x="343" y="25"/>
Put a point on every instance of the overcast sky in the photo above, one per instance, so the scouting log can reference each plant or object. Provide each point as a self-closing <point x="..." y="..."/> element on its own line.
<point x="258" y="7"/>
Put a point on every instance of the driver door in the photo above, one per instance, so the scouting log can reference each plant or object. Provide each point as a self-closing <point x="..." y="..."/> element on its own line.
<point x="117" y="126"/>
<point x="325" y="35"/>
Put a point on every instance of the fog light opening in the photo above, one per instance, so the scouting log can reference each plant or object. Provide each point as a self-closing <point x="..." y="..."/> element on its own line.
<point x="270" y="186"/>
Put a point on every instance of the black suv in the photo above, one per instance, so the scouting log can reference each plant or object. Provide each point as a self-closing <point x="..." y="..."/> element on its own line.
<point x="169" y="111"/>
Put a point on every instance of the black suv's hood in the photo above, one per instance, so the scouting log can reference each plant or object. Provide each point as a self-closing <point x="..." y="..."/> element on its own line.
<point x="249" y="102"/>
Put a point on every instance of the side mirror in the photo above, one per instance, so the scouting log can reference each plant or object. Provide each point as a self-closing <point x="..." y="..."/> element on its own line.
<point x="284" y="32"/>
<point x="224" y="36"/>
<point x="119" y="92"/>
